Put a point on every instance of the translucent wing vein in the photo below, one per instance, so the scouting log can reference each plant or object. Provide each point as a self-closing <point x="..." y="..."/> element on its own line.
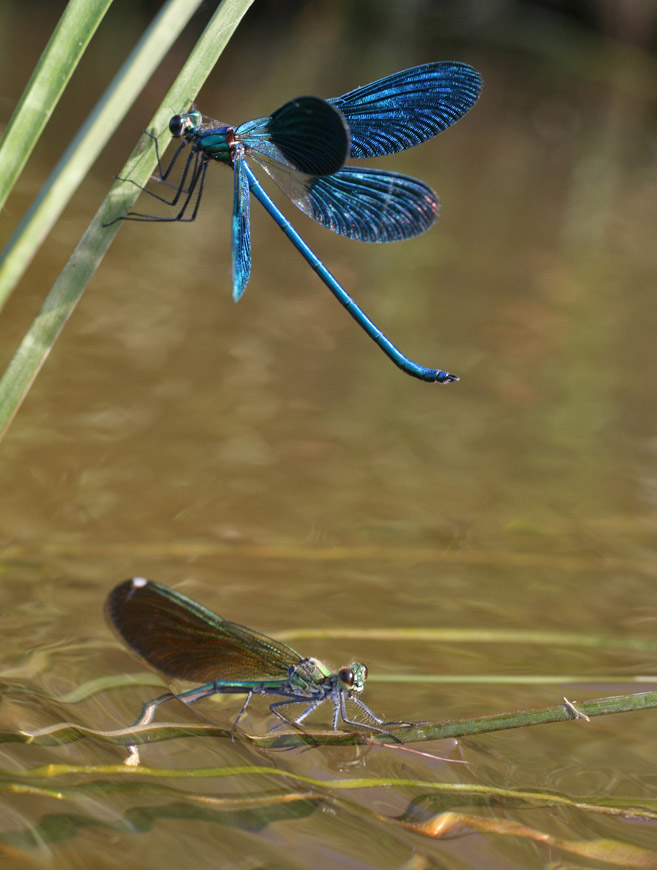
<point x="367" y="205"/>
<point x="407" y="108"/>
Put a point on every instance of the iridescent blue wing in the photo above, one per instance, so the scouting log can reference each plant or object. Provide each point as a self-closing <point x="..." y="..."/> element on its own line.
<point x="384" y="117"/>
<point x="241" y="230"/>
<point x="367" y="205"/>
<point x="407" y="108"/>
<point x="307" y="134"/>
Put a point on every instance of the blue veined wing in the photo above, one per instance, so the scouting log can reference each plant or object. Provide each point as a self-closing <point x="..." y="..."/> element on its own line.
<point x="306" y="134"/>
<point x="367" y="205"/>
<point x="407" y="108"/>
<point x="386" y="116"/>
<point x="241" y="228"/>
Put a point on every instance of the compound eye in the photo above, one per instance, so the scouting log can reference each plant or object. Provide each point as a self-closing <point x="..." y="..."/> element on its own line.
<point x="176" y="126"/>
<point x="346" y="676"/>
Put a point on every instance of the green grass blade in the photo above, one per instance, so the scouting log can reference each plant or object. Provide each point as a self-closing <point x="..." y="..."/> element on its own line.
<point x="51" y="75"/>
<point x="397" y="734"/>
<point x="90" y="140"/>
<point x="68" y="288"/>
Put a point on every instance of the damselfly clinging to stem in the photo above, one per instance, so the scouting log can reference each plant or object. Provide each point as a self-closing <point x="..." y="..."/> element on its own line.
<point x="187" y="641"/>
<point x="303" y="147"/>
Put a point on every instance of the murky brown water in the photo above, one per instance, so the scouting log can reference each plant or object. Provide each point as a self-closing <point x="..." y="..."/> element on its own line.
<point x="269" y="461"/>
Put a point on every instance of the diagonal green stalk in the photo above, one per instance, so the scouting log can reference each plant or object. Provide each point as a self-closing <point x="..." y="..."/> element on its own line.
<point x="51" y="75"/>
<point x="69" y="287"/>
<point x="90" y="140"/>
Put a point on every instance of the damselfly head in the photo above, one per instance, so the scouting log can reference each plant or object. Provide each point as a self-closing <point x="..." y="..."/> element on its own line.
<point x="181" y="124"/>
<point x="352" y="678"/>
